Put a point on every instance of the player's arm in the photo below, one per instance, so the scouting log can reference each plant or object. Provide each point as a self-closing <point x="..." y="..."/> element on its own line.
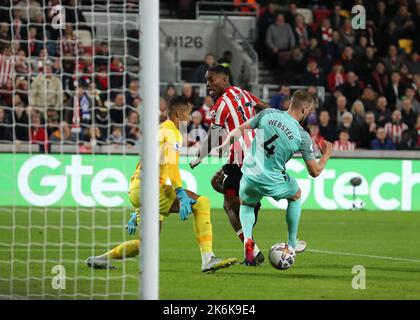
<point x="315" y="167"/>
<point x="208" y="144"/>
<point x="235" y="134"/>
<point x="260" y="106"/>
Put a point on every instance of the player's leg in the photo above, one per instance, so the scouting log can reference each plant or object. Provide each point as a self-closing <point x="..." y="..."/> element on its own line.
<point x="127" y="249"/>
<point x="232" y="176"/>
<point x="250" y="197"/>
<point x="290" y="190"/>
<point x="203" y="231"/>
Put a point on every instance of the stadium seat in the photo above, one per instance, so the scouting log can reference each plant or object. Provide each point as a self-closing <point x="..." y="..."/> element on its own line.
<point x="307" y="15"/>
<point x="406" y="45"/>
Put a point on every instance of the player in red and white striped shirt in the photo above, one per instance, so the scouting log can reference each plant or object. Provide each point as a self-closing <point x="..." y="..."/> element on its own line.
<point x="233" y="106"/>
<point x="395" y="128"/>
<point x="343" y="143"/>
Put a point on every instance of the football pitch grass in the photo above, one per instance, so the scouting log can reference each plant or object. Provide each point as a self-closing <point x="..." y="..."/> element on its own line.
<point x="386" y="244"/>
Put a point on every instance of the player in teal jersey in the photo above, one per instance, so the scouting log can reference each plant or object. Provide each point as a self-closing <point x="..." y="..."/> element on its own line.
<point x="278" y="137"/>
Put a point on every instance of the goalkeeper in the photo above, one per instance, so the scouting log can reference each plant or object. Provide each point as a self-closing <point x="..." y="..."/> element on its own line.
<point x="173" y="198"/>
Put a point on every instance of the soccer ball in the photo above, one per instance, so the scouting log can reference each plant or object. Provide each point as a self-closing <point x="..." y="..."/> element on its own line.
<point x="282" y="256"/>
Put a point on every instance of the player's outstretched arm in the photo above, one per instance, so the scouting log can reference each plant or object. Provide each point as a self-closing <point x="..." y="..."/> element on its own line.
<point x="235" y="133"/>
<point x="211" y="142"/>
<point x="315" y="167"/>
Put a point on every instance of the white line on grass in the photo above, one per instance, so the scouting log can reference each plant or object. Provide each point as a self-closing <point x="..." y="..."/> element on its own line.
<point x="362" y="255"/>
<point x="266" y="249"/>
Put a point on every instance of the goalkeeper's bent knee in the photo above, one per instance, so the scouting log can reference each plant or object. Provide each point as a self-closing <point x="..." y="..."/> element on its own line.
<point x="202" y="206"/>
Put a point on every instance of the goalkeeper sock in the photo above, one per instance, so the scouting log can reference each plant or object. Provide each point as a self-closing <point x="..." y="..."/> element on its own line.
<point x="203" y="228"/>
<point x="247" y="216"/>
<point x="128" y="249"/>
<point x="292" y="218"/>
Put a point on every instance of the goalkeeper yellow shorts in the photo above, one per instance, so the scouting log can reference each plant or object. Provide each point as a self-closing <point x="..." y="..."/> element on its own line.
<point x="167" y="196"/>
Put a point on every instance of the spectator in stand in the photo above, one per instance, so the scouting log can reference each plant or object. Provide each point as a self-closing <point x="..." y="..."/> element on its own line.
<point x="46" y="91"/>
<point x="163" y="110"/>
<point x="361" y="47"/>
<point x="169" y="93"/>
<point x="279" y="40"/>
<point x="206" y="112"/>
<point x="409" y="117"/>
<point x="291" y="13"/>
<point x="395" y="127"/>
<point x="382" y="112"/>
<point x="102" y="56"/>
<point x="19" y="26"/>
<point x="382" y="142"/>
<point x="264" y="22"/>
<point x="295" y="67"/>
<point x="367" y="131"/>
<point x="336" y="18"/>
<point x="368" y="98"/>
<point x="325" y="32"/>
<point x="358" y="111"/>
<point x="117" y="73"/>
<point x="367" y="63"/>
<point x="414" y="62"/>
<point x="276" y="101"/>
<point x="226" y="61"/>
<point x="336" y="77"/>
<point x="313" y="75"/>
<point x="132" y="131"/>
<point x="101" y="121"/>
<point x="93" y="138"/>
<point x="393" y="60"/>
<point x="334" y="48"/>
<point x="381" y="17"/>
<point x="118" y="110"/>
<point x="389" y="37"/>
<point x="5" y="127"/>
<point x="341" y="103"/>
<point x="408" y="141"/>
<point x="199" y="75"/>
<point x="351" y="87"/>
<point x="188" y="92"/>
<point x="326" y="128"/>
<point x="101" y="79"/>
<point x="80" y="112"/>
<point x="116" y="137"/>
<point x="196" y="132"/>
<point x="394" y="90"/>
<point x="34" y="43"/>
<point x="37" y="132"/>
<point x="348" y="124"/>
<point x="6" y="93"/>
<point x="348" y="34"/>
<point x="70" y="46"/>
<point x="301" y="32"/>
<point x="6" y="66"/>
<point x="317" y="139"/>
<point x="380" y="79"/>
<point x="404" y="22"/>
<point x="132" y="92"/>
<point x="410" y="94"/>
<point x="62" y="135"/>
<point x="343" y="143"/>
<point x="5" y="34"/>
<point x="21" y="65"/>
<point x="21" y="123"/>
<point x="406" y="76"/>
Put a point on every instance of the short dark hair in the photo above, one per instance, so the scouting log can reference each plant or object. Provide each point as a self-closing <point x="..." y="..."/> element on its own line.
<point x="219" y="69"/>
<point x="177" y="102"/>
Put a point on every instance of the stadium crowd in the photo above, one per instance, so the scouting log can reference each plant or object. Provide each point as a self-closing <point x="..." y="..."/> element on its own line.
<point x="55" y="90"/>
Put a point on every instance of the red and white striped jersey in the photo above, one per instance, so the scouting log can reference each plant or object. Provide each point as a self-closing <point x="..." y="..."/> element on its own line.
<point x="231" y="110"/>
<point x="395" y="131"/>
<point x="348" y="146"/>
<point x="7" y="69"/>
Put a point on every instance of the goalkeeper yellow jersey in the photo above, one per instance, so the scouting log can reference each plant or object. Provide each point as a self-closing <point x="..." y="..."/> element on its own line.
<point x="170" y="142"/>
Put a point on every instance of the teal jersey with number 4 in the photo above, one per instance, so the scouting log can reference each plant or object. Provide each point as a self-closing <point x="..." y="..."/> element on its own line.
<point x="278" y="137"/>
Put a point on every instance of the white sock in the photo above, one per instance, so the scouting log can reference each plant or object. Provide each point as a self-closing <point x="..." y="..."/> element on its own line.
<point x="205" y="257"/>
<point x="256" y="250"/>
<point x="239" y="232"/>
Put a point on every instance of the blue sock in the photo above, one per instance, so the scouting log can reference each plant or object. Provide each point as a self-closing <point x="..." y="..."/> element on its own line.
<point x="247" y="216"/>
<point x="292" y="219"/>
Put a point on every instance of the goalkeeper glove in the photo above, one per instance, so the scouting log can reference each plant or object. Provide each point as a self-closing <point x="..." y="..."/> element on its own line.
<point x="132" y="224"/>
<point x="185" y="203"/>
